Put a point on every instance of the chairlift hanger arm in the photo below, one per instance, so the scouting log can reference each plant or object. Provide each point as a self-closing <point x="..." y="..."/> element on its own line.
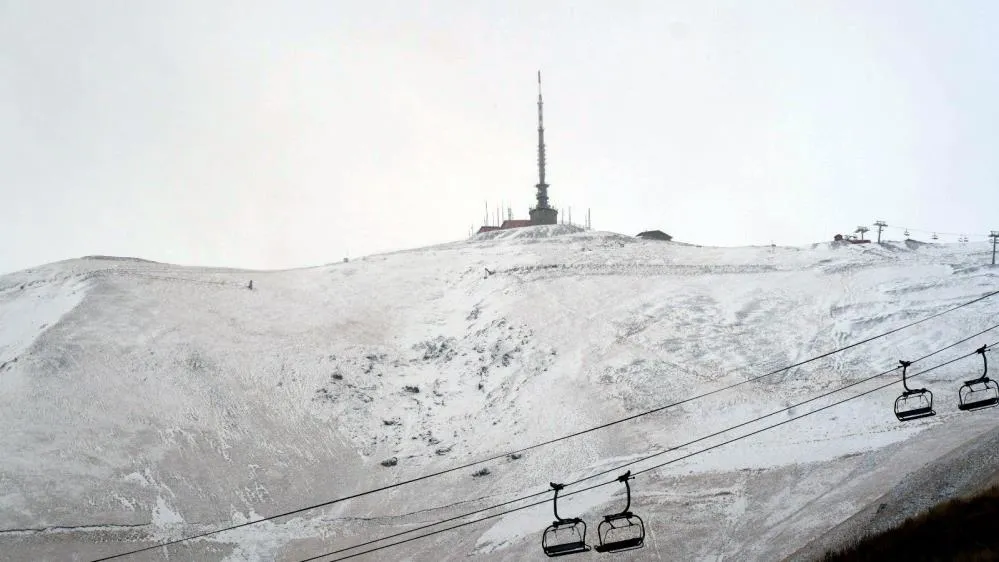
<point x="556" y="487"/>
<point x="985" y="367"/>
<point x="905" y="384"/>
<point x="627" y="487"/>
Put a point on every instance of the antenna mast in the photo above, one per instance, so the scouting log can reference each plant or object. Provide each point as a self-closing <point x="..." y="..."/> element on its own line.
<point x="543" y="213"/>
<point x="542" y="186"/>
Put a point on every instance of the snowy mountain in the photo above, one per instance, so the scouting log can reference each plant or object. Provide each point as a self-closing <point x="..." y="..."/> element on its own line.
<point x="143" y="402"/>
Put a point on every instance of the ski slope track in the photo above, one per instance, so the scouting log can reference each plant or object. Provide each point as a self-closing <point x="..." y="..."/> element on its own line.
<point x="143" y="402"/>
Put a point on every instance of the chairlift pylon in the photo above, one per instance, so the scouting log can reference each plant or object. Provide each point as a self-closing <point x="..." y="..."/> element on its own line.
<point x="621" y="531"/>
<point x="979" y="393"/>
<point x="906" y="233"/>
<point x="563" y="536"/>
<point x="914" y="403"/>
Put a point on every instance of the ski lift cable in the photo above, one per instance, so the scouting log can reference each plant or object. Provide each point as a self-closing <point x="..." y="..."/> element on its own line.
<point x="935" y="231"/>
<point x="649" y="469"/>
<point x="554" y="440"/>
<point x="826" y="407"/>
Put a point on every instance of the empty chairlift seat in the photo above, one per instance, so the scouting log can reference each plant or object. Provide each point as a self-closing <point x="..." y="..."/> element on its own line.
<point x="979" y="393"/>
<point x="624" y="530"/>
<point x="564" y="536"/>
<point x="914" y="403"/>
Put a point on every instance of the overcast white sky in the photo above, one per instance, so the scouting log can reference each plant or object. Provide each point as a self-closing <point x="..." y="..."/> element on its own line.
<point x="285" y="134"/>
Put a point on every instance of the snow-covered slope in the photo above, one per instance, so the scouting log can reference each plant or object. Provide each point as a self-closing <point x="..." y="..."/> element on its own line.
<point x="143" y="401"/>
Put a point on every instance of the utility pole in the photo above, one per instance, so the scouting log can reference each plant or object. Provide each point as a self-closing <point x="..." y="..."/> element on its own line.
<point x="994" y="235"/>
<point x="861" y="230"/>
<point x="880" y="225"/>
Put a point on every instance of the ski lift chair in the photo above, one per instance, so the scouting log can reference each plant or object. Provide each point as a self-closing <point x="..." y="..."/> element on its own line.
<point x="979" y="393"/>
<point x="621" y="531"/>
<point x="564" y="536"/>
<point x="914" y="403"/>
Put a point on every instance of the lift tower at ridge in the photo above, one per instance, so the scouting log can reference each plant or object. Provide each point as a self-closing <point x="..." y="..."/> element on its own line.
<point x="543" y="213"/>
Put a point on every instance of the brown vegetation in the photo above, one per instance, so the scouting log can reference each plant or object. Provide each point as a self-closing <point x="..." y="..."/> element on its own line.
<point x="957" y="530"/>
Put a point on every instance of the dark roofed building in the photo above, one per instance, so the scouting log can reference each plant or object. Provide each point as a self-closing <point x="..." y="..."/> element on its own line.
<point x="655" y="235"/>
<point x="515" y="223"/>
<point x="507" y="224"/>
